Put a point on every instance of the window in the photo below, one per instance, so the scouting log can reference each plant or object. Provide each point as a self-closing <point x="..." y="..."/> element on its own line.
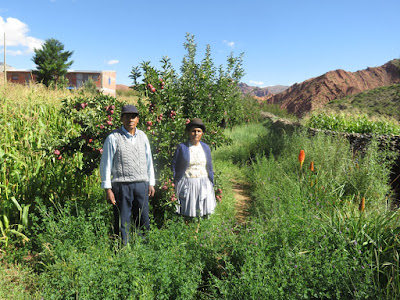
<point x="15" y="77"/>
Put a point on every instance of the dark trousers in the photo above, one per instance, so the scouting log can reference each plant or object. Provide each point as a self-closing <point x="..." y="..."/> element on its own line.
<point x="131" y="198"/>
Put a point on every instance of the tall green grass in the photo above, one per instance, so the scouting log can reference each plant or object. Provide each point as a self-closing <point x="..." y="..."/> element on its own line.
<point x="27" y="126"/>
<point x="316" y="242"/>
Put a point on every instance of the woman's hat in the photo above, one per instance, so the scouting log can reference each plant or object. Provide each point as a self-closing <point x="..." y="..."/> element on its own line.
<point x="196" y="122"/>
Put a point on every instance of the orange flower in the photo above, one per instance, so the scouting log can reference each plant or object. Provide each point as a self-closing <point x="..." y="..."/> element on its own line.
<point x="302" y="156"/>
<point x="362" y="205"/>
<point x="312" y="166"/>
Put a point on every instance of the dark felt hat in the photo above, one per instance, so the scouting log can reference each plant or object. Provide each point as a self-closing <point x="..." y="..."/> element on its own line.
<point x="129" y="109"/>
<point x="195" y="122"/>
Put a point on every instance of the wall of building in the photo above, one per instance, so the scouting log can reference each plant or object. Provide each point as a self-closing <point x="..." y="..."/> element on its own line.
<point x="109" y="83"/>
<point x="77" y="78"/>
<point x="21" y="77"/>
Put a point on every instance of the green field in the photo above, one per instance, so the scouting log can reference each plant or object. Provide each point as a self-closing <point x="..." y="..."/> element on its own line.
<point x="307" y="234"/>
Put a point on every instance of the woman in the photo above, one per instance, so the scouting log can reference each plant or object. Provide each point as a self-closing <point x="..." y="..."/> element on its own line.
<point x="193" y="174"/>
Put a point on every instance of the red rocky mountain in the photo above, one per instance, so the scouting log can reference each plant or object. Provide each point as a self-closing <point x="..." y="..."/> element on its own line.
<point x="316" y="92"/>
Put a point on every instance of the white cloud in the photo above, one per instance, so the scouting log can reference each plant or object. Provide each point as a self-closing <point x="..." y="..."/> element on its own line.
<point x="230" y="44"/>
<point x="14" y="52"/>
<point x="256" y="82"/>
<point x="113" y="62"/>
<point x="17" y="40"/>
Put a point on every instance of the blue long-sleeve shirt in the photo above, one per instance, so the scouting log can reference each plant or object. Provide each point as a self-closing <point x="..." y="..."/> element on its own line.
<point x="109" y="148"/>
<point x="181" y="160"/>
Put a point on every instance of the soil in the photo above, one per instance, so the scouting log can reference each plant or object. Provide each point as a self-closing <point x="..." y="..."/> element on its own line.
<point x="242" y="203"/>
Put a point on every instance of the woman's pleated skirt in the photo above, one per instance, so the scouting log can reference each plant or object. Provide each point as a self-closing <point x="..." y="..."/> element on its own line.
<point x="196" y="197"/>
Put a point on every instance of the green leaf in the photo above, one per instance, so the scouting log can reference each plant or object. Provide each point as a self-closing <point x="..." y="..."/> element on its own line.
<point x="25" y="215"/>
<point x="6" y="222"/>
<point x="19" y="234"/>
<point x="16" y="203"/>
<point x="2" y="229"/>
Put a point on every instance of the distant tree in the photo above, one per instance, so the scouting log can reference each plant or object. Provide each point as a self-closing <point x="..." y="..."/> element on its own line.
<point x="51" y="62"/>
<point x="89" y="86"/>
<point x="135" y="74"/>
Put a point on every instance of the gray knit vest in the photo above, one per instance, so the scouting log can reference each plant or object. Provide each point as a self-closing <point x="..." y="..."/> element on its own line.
<point x="129" y="163"/>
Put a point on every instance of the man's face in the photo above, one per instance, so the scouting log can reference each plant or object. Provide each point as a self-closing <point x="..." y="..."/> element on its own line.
<point x="130" y="121"/>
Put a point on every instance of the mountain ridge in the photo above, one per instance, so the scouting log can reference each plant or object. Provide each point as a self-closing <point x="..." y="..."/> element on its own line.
<point x="316" y="92"/>
<point x="261" y="91"/>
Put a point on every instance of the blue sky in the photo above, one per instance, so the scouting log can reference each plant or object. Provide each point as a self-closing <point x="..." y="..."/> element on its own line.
<point x="284" y="42"/>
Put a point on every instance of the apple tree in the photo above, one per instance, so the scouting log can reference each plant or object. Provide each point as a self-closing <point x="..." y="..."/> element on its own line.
<point x="170" y="99"/>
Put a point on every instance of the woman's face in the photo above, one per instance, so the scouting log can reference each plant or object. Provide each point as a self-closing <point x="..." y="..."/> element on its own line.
<point x="195" y="134"/>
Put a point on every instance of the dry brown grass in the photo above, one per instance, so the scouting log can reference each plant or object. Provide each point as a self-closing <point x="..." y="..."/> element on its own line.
<point x="20" y="95"/>
<point x="37" y="93"/>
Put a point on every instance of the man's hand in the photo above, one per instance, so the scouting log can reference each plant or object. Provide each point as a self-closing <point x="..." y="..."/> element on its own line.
<point x="110" y="196"/>
<point x="151" y="191"/>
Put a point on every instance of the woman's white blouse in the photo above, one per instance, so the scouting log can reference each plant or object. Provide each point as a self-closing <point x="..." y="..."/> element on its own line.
<point x="197" y="164"/>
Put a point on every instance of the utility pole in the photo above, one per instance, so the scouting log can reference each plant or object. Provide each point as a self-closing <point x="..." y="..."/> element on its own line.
<point x="5" y="71"/>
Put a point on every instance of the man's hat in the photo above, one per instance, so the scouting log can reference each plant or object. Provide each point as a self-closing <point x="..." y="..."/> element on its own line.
<point x="129" y="109"/>
<point x="196" y="122"/>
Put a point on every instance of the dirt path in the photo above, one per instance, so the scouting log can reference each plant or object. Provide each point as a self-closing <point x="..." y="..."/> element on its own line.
<point x="242" y="203"/>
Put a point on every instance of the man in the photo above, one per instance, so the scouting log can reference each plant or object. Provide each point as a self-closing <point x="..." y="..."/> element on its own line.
<point x="127" y="173"/>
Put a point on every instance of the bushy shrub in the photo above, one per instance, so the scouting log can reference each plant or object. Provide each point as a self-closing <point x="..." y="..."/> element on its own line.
<point x="81" y="261"/>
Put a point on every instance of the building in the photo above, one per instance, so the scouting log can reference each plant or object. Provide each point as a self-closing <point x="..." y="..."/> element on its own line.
<point x="105" y="80"/>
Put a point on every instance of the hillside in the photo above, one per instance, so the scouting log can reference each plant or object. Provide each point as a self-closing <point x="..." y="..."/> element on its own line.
<point x="316" y="92"/>
<point x="123" y="87"/>
<point x="380" y="101"/>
